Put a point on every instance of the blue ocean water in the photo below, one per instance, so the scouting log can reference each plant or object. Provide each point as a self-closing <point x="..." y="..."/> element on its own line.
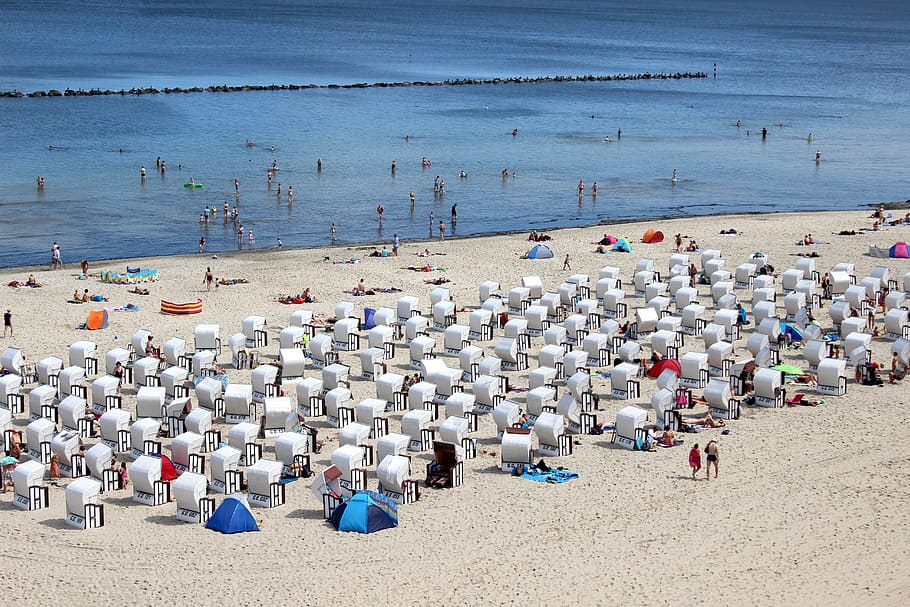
<point x="835" y="69"/>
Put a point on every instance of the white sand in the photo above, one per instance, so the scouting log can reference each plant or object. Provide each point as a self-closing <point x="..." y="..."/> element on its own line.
<point x="810" y="507"/>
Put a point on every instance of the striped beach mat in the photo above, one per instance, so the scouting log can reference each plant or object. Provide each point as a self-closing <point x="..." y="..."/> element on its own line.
<point x="168" y="307"/>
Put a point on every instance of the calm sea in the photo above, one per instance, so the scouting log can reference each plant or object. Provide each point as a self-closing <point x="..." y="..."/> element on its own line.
<point x="836" y="69"/>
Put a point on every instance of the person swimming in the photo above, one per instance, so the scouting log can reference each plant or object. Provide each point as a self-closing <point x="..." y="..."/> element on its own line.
<point x="675" y="178"/>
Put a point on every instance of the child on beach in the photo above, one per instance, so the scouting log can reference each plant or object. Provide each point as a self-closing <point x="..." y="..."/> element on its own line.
<point x="124" y="476"/>
<point x="695" y="460"/>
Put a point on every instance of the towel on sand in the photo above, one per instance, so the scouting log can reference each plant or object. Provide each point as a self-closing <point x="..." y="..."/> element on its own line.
<point x="553" y="476"/>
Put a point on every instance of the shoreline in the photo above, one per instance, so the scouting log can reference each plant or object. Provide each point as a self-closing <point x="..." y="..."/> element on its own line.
<point x="895" y="205"/>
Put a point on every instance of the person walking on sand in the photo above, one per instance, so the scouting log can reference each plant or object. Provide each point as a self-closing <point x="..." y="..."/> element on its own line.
<point x="395" y="244"/>
<point x="565" y="264"/>
<point x="209" y="279"/>
<point x="712" y="455"/>
<point x="8" y="324"/>
<point x="694" y="460"/>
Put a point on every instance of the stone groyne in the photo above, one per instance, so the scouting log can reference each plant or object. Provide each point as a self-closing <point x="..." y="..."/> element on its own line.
<point x="359" y="85"/>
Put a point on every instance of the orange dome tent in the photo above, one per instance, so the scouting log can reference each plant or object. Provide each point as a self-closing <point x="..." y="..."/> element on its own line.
<point x="653" y="237"/>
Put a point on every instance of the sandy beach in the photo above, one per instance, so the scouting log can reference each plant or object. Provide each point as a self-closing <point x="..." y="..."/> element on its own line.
<point x="809" y="507"/>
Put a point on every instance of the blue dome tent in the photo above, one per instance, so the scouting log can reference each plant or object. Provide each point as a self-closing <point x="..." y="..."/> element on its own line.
<point x="622" y="245"/>
<point x="233" y="516"/>
<point x="792" y="331"/>
<point x="365" y="512"/>
<point x="540" y="251"/>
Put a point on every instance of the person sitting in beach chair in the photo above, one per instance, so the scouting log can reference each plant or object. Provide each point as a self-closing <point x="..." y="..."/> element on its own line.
<point x="150" y="349"/>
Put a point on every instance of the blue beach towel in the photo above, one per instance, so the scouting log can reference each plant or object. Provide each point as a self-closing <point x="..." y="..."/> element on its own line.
<point x="553" y="476"/>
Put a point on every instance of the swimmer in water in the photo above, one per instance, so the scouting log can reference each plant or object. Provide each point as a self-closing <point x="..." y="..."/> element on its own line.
<point x="675" y="177"/>
<point x="809" y="138"/>
<point x="142" y="171"/>
<point x="739" y="123"/>
<point x="818" y="156"/>
<point x="514" y="132"/>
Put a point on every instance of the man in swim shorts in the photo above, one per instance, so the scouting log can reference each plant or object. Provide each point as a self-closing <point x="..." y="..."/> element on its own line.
<point x="712" y="455"/>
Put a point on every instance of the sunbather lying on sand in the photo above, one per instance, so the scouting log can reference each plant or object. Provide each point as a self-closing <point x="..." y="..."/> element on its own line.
<point x="711" y="422"/>
<point x="232" y="281"/>
<point x="139" y="291"/>
<point x="806" y="379"/>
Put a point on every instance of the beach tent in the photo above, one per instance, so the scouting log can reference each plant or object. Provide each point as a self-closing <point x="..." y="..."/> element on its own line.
<point x="233" y="516"/>
<point x="653" y="237"/>
<point x="97" y="319"/>
<point x="183" y="309"/>
<point x="168" y="471"/>
<point x="899" y="250"/>
<point x="792" y="331"/>
<point x="540" y="251"/>
<point x="365" y="512"/>
<point x="368" y="322"/>
<point x="622" y="245"/>
<point x="664" y="364"/>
